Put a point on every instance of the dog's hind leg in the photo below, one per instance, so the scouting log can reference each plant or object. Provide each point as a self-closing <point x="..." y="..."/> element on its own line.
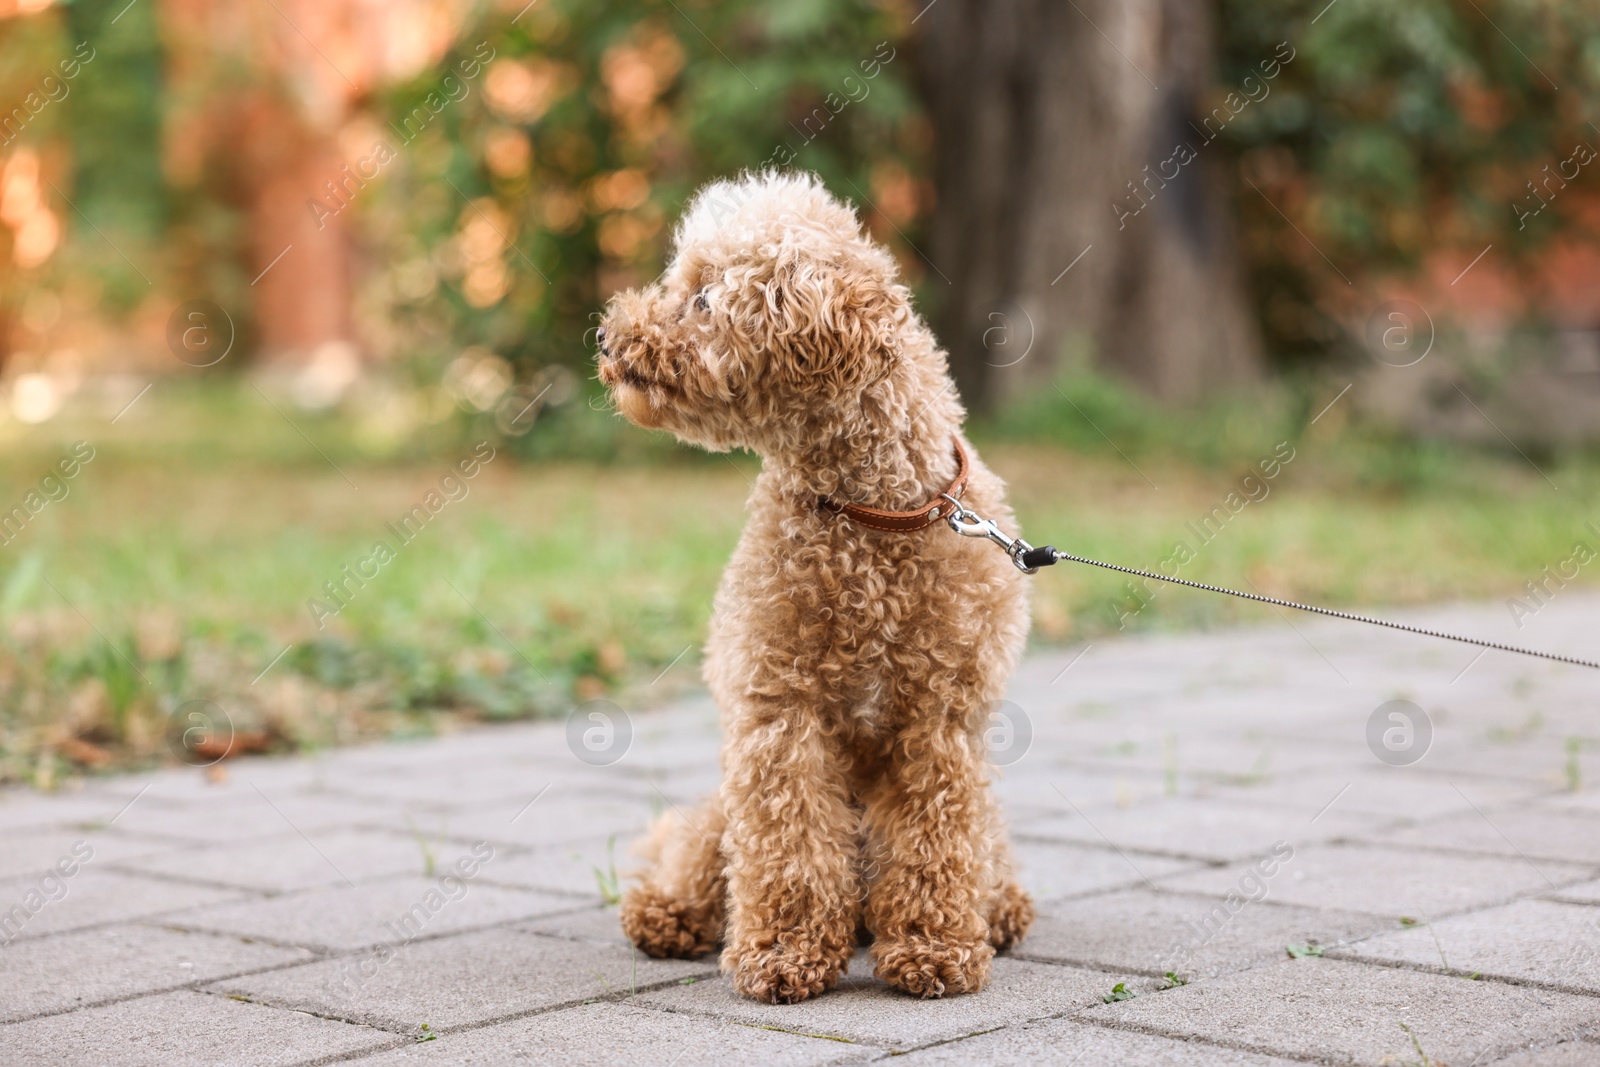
<point x="1010" y="908"/>
<point x="677" y="910"/>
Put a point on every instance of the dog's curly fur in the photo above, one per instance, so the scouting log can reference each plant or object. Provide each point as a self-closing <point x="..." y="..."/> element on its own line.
<point x="852" y="666"/>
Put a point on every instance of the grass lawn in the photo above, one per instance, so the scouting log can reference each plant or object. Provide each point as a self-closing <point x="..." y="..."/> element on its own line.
<point x="185" y="556"/>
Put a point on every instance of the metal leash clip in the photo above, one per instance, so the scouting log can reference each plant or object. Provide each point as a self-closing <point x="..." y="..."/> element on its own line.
<point x="969" y="523"/>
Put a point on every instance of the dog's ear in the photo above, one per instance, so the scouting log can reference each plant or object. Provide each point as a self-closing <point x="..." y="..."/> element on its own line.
<point x="835" y="322"/>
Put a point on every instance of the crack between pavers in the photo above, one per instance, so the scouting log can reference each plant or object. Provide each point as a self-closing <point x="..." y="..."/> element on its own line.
<point x="196" y="986"/>
<point x="1023" y="836"/>
<point x="1082" y="965"/>
<point x="356" y="1054"/>
<point x="572" y="894"/>
<point x="389" y="1025"/>
<point x="1079" y="895"/>
<point x="797" y="1033"/>
<point x="260" y="896"/>
<point x="126" y="920"/>
<point x="1345" y="955"/>
<point x="204" y="883"/>
<point x="402" y="1040"/>
<point x="692" y="1013"/>
<point x="1084" y="1016"/>
<point x="329" y="952"/>
<point x="1457" y="850"/>
<point x="321" y="1013"/>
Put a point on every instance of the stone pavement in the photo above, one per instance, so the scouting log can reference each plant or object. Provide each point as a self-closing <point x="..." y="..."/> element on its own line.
<point x="1195" y="804"/>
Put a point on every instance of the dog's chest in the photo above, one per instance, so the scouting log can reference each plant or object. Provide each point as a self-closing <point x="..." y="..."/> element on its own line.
<point x="857" y="617"/>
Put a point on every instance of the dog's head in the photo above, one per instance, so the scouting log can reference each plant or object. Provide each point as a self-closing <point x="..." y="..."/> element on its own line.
<point x="774" y="311"/>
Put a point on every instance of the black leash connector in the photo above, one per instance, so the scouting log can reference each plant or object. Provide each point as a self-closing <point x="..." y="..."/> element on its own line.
<point x="1034" y="558"/>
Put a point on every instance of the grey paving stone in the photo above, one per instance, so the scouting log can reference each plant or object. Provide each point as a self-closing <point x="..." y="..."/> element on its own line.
<point x="1541" y="761"/>
<point x="1064" y="1043"/>
<point x="250" y="816"/>
<point x="25" y="809"/>
<point x="558" y="817"/>
<point x="1566" y="1054"/>
<point x="684" y="788"/>
<point x="341" y="918"/>
<point x="591" y="924"/>
<point x="46" y="975"/>
<point x="293" y="861"/>
<point x="1386" y="792"/>
<point x="32" y="852"/>
<point x="458" y="981"/>
<point x="1335" y="1011"/>
<point x="238" y="779"/>
<point x="1205" y="830"/>
<point x="1057" y="788"/>
<point x="1536" y="941"/>
<point x="1580" y="893"/>
<point x="98" y="895"/>
<point x="1586" y="799"/>
<point x="1536" y="831"/>
<point x="1178" y="747"/>
<point x="493" y="744"/>
<point x="866" y="1010"/>
<point x="450" y="786"/>
<point x="1051" y="870"/>
<point x="182" y="1029"/>
<point x="1235" y="742"/>
<point x="1139" y="931"/>
<point x="605" y="1035"/>
<point x="570" y="868"/>
<point x="1391" y="882"/>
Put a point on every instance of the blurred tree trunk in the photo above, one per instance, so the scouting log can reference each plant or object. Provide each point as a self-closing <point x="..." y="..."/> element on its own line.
<point x="288" y="144"/>
<point x="303" y="300"/>
<point x="1046" y="116"/>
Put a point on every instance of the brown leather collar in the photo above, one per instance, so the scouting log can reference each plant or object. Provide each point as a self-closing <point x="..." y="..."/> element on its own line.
<point x="906" y="521"/>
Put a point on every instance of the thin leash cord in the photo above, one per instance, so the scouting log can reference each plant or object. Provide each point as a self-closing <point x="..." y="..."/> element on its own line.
<point x="1060" y="555"/>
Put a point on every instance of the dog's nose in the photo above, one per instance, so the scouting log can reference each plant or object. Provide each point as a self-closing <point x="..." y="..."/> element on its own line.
<point x="600" y="339"/>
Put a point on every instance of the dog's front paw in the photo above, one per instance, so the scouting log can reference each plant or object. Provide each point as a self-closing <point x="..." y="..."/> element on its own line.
<point x="667" y="928"/>
<point x="1010" y="915"/>
<point x="928" y="968"/>
<point x="782" y="974"/>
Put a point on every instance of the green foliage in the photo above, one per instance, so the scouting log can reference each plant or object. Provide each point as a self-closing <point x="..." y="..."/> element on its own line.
<point x="114" y="116"/>
<point x="1120" y="991"/>
<point x="628" y="107"/>
<point x="1400" y="129"/>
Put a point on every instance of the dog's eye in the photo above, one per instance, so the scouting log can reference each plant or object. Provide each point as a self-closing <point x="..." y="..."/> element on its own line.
<point x="700" y="301"/>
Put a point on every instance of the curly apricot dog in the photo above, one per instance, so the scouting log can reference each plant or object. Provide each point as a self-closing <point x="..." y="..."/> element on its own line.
<point x="856" y="640"/>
